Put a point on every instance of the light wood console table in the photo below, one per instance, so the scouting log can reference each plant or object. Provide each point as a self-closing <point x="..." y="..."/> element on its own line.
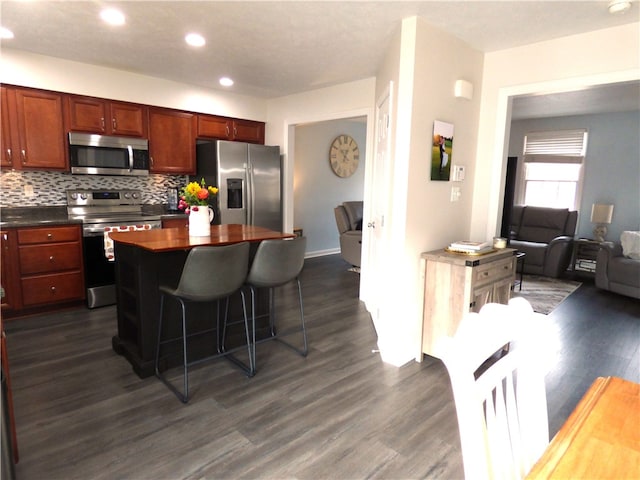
<point x="456" y="284"/>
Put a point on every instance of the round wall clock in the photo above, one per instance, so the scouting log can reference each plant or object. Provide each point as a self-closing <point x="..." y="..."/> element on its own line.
<point x="344" y="156"/>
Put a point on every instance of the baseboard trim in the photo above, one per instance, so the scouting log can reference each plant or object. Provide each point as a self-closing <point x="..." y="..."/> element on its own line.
<point x="322" y="253"/>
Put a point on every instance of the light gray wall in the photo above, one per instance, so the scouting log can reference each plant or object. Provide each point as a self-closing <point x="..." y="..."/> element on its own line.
<point x="317" y="190"/>
<point x="611" y="166"/>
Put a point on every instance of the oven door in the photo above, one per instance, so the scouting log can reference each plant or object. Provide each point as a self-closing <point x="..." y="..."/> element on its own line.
<point x="99" y="271"/>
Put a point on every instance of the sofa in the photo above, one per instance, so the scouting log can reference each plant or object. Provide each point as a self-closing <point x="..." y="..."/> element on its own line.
<point x="618" y="265"/>
<point x="545" y="235"/>
<point x="349" y="223"/>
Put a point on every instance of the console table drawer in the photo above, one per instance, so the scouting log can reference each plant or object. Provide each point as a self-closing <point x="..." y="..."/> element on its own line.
<point x="493" y="272"/>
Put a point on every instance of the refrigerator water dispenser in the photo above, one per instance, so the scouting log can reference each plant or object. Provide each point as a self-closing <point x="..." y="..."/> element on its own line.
<point x="234" y="193"/>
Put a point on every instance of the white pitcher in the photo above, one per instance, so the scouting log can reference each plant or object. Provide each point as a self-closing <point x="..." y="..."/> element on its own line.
<point x="200" y="221"/>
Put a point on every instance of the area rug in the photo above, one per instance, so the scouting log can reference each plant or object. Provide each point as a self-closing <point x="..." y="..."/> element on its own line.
<point x="545" y="293"/>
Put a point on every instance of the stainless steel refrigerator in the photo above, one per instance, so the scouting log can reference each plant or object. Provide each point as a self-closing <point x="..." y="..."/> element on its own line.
<point x="249" y="180"/>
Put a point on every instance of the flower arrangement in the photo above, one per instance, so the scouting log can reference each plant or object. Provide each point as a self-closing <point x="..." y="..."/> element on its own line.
<point x="195" y="194"/>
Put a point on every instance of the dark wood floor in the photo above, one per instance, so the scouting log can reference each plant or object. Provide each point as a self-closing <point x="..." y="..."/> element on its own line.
<point x="340" y="413"/>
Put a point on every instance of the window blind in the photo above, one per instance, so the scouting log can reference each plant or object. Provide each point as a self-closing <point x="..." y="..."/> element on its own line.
<point x="563" y="146"/>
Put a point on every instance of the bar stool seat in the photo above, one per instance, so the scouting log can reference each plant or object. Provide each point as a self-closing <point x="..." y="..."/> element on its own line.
<point x="210" y="274"/>
<point x="276" y="263"/>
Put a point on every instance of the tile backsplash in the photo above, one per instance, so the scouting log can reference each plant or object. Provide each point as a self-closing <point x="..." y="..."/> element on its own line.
<point x="50" y="188"/>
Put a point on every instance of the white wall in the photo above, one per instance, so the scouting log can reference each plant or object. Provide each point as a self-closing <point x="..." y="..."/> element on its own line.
<point x="49" y="73"/>
<point x="611" y="165"/>
<point x="317" y="190"/>
<point x="563" y="64"/>
<point x="423" y="218"/>
<point x="347" y="100"/>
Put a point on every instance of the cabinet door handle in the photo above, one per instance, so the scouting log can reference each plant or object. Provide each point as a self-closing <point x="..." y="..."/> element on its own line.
<point x="9" y="156"/>
<point x="151" y="160"/>
<point x="52" y="259"/>
<point x="24" y="156"/>
<point x="235" y="131"/>
<point x="102" y="123"/>
<point x="226" y="129"/>
<point x="53" y="289"/>
<point x="49" y="236"/>
<point x="113" y="122"/>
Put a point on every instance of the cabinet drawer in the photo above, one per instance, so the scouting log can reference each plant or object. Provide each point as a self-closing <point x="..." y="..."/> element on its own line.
<point x="45" y="289"/>
<point x="50" y="258"/>
<point x="175" y="222"/>
<point x="493" y="271"/>
<point x="48" y="235"/>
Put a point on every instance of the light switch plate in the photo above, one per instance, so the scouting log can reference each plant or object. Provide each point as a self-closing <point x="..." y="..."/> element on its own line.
<point x="457" y="173"/>
<point x="28" y="191"/>
<point x="455" y="194"/>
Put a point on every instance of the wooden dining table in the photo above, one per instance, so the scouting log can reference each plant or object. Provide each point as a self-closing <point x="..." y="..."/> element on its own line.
<point x="600" y="439"/>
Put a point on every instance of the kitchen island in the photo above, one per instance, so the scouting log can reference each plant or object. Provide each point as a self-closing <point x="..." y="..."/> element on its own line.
<point x="147" y="259"/>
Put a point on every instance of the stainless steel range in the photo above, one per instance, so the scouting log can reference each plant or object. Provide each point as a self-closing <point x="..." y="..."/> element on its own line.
<point x="99" y="209"/>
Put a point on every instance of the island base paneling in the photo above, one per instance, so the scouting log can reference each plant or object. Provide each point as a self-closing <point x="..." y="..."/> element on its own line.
<point x="139" y="273"/>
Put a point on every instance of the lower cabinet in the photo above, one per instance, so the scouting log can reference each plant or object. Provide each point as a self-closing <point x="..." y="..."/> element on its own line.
<point x="176" y="222"/>
<point x="47" y="267"/>
<point x="456" y="284"/>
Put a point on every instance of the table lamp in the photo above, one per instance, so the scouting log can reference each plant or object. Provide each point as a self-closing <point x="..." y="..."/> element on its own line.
<point x="601" y="216"/>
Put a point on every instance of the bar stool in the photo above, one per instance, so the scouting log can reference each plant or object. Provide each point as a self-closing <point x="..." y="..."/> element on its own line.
<point x="276" y="263"/>
<point x="209" y="274"/>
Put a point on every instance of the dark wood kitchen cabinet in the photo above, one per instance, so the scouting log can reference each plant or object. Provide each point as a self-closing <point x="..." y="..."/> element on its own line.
<point x="222" y="128"/>
<point x="35" y="133"/>
<point x="176" y="222"/>
<point x="9" y="278"/>
<point x="98" y="115"/>
<point x="172" y="141"/>
<point x="43" y="267"/>
<point x="6" y="160"/>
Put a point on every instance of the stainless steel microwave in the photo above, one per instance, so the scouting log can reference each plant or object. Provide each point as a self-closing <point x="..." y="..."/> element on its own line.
<point x="91" y="154"/>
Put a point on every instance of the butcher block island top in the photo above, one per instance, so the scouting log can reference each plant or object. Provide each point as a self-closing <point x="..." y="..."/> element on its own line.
<point x="168" y="239"/>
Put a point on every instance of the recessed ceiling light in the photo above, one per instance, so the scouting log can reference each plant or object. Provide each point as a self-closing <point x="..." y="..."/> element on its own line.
<point x="226" y="82"/>
<point x="195" y="40"/>
<point x="5" y="33"/>
<point x="619" y="6"/>
<point x="112" y="16"/>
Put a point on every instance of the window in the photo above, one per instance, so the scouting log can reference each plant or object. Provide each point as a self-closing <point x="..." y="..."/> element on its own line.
<point x="553" y="168"/>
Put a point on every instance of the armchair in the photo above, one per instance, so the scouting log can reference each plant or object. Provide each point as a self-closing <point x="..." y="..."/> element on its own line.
<point x="546" y="236"/>
<point x="349" y="223"/>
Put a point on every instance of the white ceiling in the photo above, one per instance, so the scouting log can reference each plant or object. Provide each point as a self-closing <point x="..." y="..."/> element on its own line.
<point x="279" y="48"/>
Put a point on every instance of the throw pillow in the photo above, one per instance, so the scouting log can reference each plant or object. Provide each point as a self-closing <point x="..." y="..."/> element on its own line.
<point x="630" y="244"/>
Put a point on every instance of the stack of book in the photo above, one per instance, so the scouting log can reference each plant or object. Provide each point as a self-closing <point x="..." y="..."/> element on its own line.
<point x="465" y="246"/>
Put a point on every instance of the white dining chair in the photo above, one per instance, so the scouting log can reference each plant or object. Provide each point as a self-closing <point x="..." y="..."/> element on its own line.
<point x="498" y="388"/>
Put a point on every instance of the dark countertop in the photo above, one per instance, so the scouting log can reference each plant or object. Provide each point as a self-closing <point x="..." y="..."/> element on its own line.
<point x="12" y="217"/>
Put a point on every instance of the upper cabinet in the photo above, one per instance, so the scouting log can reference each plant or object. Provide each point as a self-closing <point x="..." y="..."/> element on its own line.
<point x="222" y="128"/>
<point x="35" y="124"/>
<point x="8" y="148"/>
<point x="172" y="141"/>
<point x="34" y="136"/>
<point x="97" y="115"/>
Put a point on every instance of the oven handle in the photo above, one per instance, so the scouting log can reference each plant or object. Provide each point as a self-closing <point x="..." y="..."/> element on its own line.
<point x="130" y="149"/>
<point x="98" y="230"/>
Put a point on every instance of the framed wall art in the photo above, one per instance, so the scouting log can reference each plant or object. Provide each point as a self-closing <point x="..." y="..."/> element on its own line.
<point x="441" y="150"/>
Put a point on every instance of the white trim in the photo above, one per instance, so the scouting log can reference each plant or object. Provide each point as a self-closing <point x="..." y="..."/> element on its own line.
<point x="322" y="253"/>
<point x="503" y="126"/>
